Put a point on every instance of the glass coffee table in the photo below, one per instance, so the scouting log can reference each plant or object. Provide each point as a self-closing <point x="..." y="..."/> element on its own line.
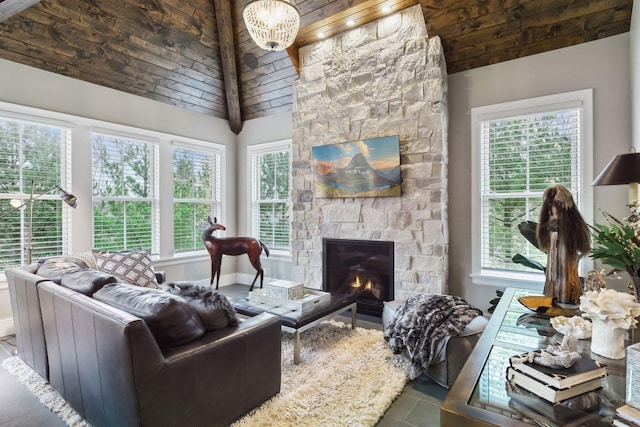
<point x="296" y="321"/>
<point x="479" y="396"/>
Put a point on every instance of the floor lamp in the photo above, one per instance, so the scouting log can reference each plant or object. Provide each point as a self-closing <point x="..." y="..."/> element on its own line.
<point x="68" y="198"/>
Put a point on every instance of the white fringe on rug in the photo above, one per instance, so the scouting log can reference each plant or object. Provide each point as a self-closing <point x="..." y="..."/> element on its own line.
<point x="41" y="389"/>
<point x="347" y="377"/>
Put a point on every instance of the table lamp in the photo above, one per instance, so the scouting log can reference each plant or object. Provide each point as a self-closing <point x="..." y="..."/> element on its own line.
<point x="622" y="169"/>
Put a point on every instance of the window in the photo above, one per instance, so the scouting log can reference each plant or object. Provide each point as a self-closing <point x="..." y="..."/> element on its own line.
<point x="38" y="152"/>
<point x="270" y="195"/>
<point x="520" y="149"/>
<point x="125" y="208"/>
<point x="196" y="195"/>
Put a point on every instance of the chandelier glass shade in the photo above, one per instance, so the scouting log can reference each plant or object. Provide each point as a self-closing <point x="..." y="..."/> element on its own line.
<point x="272" y="24"/>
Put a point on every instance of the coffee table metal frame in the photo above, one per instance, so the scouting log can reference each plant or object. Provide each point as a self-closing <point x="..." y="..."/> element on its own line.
<point x="297" y="331"/>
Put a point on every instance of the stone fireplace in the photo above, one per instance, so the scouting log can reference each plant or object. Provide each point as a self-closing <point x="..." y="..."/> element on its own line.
<point x="381" y="79"/>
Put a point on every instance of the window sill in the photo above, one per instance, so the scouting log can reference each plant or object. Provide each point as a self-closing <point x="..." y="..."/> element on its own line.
<point x="202" y="255"/>
<point x="534" y="282"/>
<point x="279" y="255"/>
<point x="181" y="258"/>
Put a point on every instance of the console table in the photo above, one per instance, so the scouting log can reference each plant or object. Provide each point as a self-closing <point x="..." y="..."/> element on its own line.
<point x="479" y="396"/>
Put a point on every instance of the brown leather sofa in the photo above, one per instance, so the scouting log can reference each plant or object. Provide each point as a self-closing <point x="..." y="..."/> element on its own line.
<point x="107" y="364"/>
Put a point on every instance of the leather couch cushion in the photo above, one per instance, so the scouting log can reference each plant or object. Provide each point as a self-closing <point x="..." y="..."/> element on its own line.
<point x="214" y="309"/>
<point x="87" y="281"/>
<point x="134" y="266"/>
<point x="55" y="267"/>
<point x="171" y="320"/>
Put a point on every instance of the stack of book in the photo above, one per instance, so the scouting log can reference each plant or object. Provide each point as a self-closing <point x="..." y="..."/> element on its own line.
<point x="627" y="415"/>
<point x="555" y="384"/>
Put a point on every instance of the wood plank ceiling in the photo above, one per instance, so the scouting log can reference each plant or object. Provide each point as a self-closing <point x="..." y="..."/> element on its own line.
<point x="170" y="50"/>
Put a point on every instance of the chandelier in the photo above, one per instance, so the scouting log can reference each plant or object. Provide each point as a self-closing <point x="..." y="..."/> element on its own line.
<point x="272" y="24"/>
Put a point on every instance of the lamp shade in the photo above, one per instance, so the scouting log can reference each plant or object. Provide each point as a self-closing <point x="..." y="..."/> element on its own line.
<point x="622" y="169"/>
<point x="272" y="24"/>
<point x="68" y="198"/>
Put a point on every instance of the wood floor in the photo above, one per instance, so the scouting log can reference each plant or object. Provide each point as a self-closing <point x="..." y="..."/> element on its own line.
<point x="418" y="405"/>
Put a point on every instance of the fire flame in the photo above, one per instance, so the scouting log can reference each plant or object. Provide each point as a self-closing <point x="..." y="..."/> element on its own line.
<point x="358" y="284"/>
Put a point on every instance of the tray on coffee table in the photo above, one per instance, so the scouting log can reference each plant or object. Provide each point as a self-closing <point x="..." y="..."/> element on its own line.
<point x="311" y="299"/>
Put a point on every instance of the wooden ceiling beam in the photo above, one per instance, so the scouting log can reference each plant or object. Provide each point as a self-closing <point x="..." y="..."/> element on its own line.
<point x="228" y="59"/>
<point x="8" y="8"/>
<point x="362" y="13"/>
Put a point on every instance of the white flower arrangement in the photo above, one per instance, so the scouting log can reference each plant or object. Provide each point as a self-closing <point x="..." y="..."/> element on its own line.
<point x="609" y="304"/>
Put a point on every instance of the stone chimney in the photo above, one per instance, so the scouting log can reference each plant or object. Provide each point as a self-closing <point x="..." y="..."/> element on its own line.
<point x="384" y="78"/>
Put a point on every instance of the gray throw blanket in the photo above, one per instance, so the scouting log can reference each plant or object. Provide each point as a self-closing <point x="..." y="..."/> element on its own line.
<point x="422" y="321"/>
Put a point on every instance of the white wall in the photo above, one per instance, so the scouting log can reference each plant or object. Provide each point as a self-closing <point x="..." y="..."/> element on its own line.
<point x="635" y="72"/>
<point x="603" y="65"/>
<point x="276" y="127"/>
<point x="33" y="88"/>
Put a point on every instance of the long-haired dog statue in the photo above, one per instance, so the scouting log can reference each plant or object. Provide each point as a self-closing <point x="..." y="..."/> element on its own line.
<point x="564" y="235"/>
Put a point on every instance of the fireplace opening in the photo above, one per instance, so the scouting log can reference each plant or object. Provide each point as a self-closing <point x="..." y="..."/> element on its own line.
<point x="361" y="267"/>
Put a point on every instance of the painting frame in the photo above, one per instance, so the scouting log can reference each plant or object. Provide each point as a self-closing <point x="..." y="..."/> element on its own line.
<point x="363" y="168"/>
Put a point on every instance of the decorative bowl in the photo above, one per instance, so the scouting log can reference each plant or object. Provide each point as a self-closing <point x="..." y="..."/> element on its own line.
<point x="574" y="325"/>
<point x="544" y="305"/>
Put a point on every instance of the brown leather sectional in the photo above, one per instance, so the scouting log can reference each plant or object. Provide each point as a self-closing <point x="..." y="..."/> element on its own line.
<point x="107" y="364"/>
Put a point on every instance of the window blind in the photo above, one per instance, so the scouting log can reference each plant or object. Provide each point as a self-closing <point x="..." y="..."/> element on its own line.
<point x="124" y="193"/>
<point x="196" y="195"/>
<point x="38" y="152"/>
<point x="520" y="158"/>
<point x="271" y="198"/>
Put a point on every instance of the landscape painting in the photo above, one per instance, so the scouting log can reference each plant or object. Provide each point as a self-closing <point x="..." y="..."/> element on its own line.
<point x="366" y="168"/>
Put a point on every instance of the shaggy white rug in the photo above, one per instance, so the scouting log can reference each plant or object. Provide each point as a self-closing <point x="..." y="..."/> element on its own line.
<point x="41" y="389"/>
<point x="347" y="377"/>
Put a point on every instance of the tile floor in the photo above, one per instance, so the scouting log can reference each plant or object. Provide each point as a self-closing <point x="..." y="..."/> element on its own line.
<point x="418" y="405"/>
<point x="18" y="407"/>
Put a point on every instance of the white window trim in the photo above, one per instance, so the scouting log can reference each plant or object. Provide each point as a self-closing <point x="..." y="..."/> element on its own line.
<point x="253" y="150"/>
<point x="81" y="128"/>
<point x="582" y="99"/>
<point x="217" y="149"/>
<point x="26" y="116"/>
<point x="154" y="185"/>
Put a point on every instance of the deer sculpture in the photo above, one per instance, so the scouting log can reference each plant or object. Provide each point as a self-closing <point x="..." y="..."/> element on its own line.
<point x="232" y="246"/>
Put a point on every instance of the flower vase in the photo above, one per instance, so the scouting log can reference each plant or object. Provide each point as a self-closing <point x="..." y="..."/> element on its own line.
<point x="634" y="288"/>
<point x="607" y="339"/>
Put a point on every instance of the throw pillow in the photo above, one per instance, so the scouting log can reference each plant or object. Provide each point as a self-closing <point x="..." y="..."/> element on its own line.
<point x="133" y="267"/>
<point x="214" y="309"/>
<point x="171" y="321"/>
<point x="88" y="259"/>
<point x="56" y="267"/>
<point x="87" y="280"/>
